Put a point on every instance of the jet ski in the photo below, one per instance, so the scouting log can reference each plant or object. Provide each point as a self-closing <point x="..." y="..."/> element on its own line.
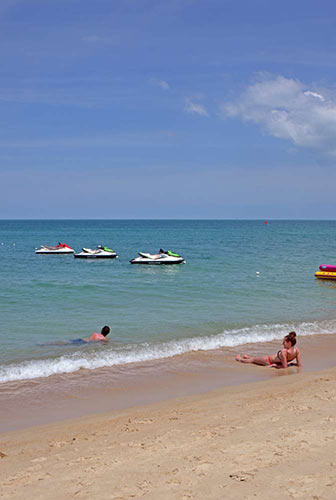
<point x="100" y="252"/>
<point x="61" y="248"/>
<point x="162" y="257"/>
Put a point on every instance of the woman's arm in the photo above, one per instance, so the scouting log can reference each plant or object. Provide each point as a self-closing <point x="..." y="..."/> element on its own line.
<point x="284" y="362"/>
<point x="298" y="357"/>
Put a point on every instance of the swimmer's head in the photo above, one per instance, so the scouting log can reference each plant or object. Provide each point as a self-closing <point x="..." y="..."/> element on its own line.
<point x="291" y="337"/>
<point x="105" y="330"/>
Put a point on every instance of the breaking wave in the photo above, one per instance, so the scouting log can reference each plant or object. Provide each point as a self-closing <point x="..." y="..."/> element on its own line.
<point x="137" y="353"/>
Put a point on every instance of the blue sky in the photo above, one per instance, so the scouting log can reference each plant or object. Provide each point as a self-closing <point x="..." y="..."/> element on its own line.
<point x="167" y="109"/>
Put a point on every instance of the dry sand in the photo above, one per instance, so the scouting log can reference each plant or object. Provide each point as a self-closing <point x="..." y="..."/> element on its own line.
<point x="271" y="439"/>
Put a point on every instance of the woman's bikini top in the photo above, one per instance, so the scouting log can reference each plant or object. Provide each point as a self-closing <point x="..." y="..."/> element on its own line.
<point x="279" y="355"/>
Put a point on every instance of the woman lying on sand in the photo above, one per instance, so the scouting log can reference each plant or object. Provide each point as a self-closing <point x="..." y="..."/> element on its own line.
<point x="283" y="357"/>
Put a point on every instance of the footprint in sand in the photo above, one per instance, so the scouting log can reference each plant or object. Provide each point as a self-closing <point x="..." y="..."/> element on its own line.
<point x="187" y="496"/>
<point x="144" y="486"/>
<point x="59" y="444"/>
<point x="40" y="459"/>
<point x="242" y="476"/>
<point x="201" y="469"/>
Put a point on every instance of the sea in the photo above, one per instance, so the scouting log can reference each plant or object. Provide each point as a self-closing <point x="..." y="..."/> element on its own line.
<point x="244" y="281"/>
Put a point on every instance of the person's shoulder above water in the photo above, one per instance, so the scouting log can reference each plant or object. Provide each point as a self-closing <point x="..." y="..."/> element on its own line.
<point x="100" y="336"/>
<point x="97" y="336"/>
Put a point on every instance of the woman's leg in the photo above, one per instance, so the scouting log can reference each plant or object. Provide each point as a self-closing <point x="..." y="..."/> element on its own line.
<point x="257" y="360"/>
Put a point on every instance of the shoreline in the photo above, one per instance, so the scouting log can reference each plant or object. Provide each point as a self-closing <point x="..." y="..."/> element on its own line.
<point x="235" y="442"/>
<point x="61" y="397"/>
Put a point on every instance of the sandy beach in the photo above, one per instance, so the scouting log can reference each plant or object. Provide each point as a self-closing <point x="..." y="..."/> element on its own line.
<point x="269" y="439"/>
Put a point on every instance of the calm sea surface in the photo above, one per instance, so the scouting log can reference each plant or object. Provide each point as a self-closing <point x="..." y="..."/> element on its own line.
<point x="216" y="299"/>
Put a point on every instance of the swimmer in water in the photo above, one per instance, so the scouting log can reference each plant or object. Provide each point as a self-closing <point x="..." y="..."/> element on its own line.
<point x="95" y="337"/>
<point x="284" y="356"/>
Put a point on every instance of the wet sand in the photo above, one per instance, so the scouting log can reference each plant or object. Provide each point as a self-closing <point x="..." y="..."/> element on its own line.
<point x="59" y="397"/>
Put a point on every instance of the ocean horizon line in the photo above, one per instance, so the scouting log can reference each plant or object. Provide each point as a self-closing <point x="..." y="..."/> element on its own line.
<point x="268" y="219"/>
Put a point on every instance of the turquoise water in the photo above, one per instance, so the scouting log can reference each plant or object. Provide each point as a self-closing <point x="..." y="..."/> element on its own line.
<point x="215" y="300"/>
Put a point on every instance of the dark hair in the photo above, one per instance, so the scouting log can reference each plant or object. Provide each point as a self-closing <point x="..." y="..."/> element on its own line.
<point x="105" y="330"/>
<point x="291" y="337"/>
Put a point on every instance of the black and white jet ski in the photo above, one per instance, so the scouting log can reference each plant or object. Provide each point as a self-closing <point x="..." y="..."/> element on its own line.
<point x="162" y="257"/>
<point x="61" y="248"/>
<point x="100" y="252"/>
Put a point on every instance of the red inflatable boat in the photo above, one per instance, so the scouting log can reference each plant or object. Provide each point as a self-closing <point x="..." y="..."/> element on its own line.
<point x="327" y="268"/>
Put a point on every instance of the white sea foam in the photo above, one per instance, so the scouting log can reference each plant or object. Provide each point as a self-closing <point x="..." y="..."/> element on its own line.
<point x="144" y="352"/>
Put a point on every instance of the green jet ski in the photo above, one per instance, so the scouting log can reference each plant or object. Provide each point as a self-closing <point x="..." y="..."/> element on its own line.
<point x="101" y="252"/>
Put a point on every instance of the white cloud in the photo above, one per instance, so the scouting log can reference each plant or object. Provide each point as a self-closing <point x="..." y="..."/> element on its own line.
<point x="314" y="94"/>
<point x="195" y="107"/>
<point x="161" y="83"/>
<point x="164" y="85"/>
<point x="284" y="108"/>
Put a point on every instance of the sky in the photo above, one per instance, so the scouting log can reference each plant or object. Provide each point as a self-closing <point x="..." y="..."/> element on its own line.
<point x="144" y="109"/>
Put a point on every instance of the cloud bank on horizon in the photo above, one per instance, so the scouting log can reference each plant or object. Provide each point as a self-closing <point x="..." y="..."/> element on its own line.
<point x="285" y="108"/>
